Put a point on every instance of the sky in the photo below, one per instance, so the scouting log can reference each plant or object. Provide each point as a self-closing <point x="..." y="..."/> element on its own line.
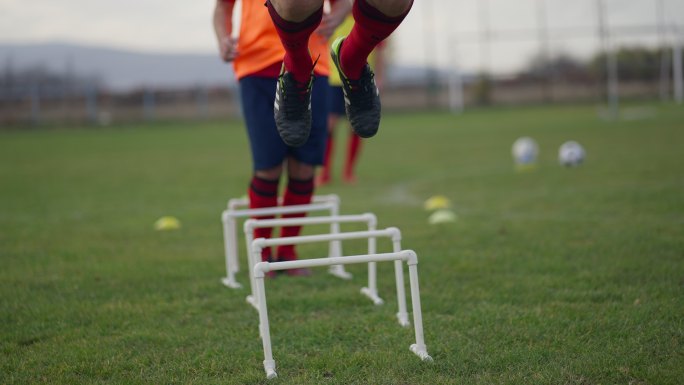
<point x="436" y="32"/>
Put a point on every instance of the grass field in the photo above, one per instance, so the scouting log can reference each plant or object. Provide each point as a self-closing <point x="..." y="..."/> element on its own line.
<point x="555" y="276"/>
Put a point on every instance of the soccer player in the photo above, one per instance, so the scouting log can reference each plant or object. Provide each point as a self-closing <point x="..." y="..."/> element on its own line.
<point x="257" y="59"/>
<point x="295" y="21"/>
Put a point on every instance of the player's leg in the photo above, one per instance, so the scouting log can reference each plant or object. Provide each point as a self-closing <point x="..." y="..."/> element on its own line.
<point x="353" y="149"/>
<point x="263" y="192"/>
<point x="375" y="20"/>
<point x="324" y="173"/>
<point x="268" y="151"/>
<point x="295" y="21"/>
<point x="335" y="111"/>
<point x="299" y="191"/>
<point x="301" y="164"/>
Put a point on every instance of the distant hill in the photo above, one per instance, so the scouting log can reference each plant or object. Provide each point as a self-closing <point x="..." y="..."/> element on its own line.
<point x="120" y="70"/>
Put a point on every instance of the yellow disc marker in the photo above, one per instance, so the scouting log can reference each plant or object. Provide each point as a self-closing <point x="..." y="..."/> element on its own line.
<point x="167" y="223"/>
<point x="442" y="216"/>
<point x="437" y="202"/>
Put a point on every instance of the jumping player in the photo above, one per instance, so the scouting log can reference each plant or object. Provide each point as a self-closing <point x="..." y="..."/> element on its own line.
<point x="336" y="112"/>
<point x="257" y="59"/>
<point x="295" y="21"/>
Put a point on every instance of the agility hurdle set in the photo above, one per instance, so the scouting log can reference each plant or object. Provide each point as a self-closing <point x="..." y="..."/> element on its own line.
<point x="330" y="205"/>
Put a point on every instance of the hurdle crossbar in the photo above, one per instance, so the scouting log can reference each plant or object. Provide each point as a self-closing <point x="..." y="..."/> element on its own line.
<point x="409" y="256"/>
<point x="229" y="218"/>
<point x="391" y="232"/>
<point x="370" y="219"/>
<point x="241" y="203"/>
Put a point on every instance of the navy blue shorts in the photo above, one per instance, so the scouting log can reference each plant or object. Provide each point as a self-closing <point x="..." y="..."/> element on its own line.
<point x="336" y="100"/>
<point x="268" y="149"/>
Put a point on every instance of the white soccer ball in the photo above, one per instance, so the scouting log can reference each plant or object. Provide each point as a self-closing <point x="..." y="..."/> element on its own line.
<point x="525" y="150"/>
<point x="571" y="154"/>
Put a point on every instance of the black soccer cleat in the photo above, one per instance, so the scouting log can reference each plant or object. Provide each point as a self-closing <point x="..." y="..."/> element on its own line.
<point x="361" y="97"/>
<point x="292" y="109"/>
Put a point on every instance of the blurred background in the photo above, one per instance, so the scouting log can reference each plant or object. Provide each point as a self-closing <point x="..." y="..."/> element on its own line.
<point x="99" y="62"/>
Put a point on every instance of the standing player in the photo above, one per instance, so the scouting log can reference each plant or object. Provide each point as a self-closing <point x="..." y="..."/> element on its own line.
<point x="295" y="21"/>
<point x="257" y="58"/>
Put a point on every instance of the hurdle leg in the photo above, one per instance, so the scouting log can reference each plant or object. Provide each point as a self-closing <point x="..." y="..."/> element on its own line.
<point x="335" y="250"/>
<point x="402" y="315"/>
<point x="251" y="261"/>
<point x="230" y="245"/>
<point x="371" y="291"/>
<point x="419" y="347"/>
<point x="233" y="245"/>
<point x="269" y="363"/>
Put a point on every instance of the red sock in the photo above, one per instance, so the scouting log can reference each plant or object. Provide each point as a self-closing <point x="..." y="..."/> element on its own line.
<point x="299" y="192"/>
<point x="353" y="146"/>
<point x="263" y="193"/>
<point x="295" y="39"/>
<point x="370" y="28"/>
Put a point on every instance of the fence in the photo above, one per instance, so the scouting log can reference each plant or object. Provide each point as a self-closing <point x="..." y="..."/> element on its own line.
<point x="496" y="38"/>
<point x="35" y="105"/>
<point x="456" y="50"/>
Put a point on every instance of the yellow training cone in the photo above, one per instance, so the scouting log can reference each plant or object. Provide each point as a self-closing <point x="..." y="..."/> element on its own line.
<point x="167" y="223"/>
<point x="442" y="216"/>
<point x="437" y="202"/>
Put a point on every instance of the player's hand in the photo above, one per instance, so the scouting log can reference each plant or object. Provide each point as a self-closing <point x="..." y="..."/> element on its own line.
<point x="228" y="49"/>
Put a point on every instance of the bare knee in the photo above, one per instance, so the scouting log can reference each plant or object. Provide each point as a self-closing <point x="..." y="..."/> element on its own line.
<point x="299" y="170"/>
<point x="296" y="10"/>
<point x="270" y="174"/>
<point x="391" y="8"/>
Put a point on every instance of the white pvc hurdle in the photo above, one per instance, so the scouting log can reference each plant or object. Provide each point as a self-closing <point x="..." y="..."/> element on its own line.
<point x="419" y="348"/>
<point x="235" y="210"/>
<point x="391" y="232"/>
<point x="371" y="291"/>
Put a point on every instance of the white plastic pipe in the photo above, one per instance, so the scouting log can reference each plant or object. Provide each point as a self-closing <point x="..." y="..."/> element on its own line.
<point x="242" y="203"/>
<point x="264" y="267"/>
<point x="419" y="347"/>
<point x="335" y="249"/>
<point x="229" y="219"/>
<point x="390" y="232"/>
<point x="260" y="223"/>
<point x="368" y="218"/>
<point x="371" y="291"/>
<point x="261" y="268"/>
<point x="402" y="314"/>
<point x="230" y="249"/>
<point x="279" y="210"/>
<point x="251" y="261"/>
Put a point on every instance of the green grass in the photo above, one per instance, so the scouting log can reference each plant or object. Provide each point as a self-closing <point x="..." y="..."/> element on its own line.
<point x="556" y="276"/>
